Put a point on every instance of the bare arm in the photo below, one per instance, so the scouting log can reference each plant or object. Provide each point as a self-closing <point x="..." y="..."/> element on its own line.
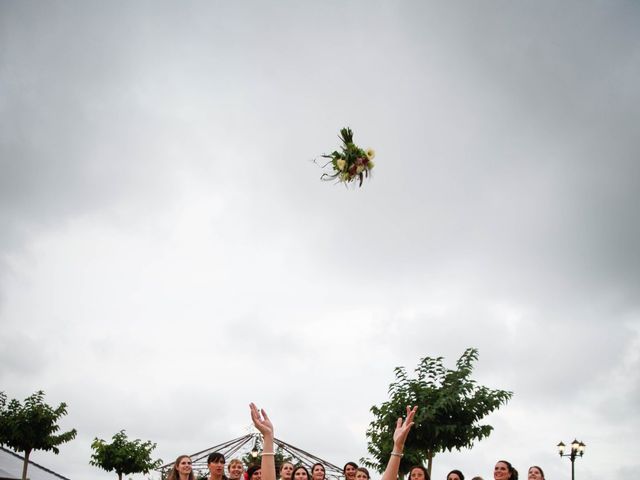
<point x="399" y="437"/>
<point x="265" y="427"/>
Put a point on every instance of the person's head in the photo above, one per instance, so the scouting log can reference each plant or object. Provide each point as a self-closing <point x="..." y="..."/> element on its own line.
<point x="182" y="466"/>
<point x="504" y="471"/>
<point x="535" y="473"/>
<point x="455" y="475"/>
<point x="215" y="462"/>
<point x="477" y="478"/>
<point x="418" y="472"/>
<point x="317" y="471"/>
<point x="362" y="474"/>
<point x="286" y="470"/>
<point x="254" y="472"/>
<point x="349" y="470"/>
<point x="300" y="473"/>
<point x="235" y="468"/>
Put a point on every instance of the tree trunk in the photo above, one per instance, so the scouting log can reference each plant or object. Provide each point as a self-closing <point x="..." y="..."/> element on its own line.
<point x="25" y="464"/>
<point x="119" y="475"/>
<point x="429" y="461"/>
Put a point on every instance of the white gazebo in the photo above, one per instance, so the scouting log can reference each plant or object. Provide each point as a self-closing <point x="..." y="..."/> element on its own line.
<point x="250" y="444"/>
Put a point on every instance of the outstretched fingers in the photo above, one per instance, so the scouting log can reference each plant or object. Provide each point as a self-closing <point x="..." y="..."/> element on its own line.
<point x="411" y="412"/>
<point x="255" y="414"/>
<point x="261" y="420"/>
<point x="403" y="425"/>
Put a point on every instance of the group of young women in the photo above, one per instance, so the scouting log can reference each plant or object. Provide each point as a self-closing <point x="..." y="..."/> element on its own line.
<point x="502" y="471"/>
<point x="289" y="472"/>
<point x="182" y="469"/>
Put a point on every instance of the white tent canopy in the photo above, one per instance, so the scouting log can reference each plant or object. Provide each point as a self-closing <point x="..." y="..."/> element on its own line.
<point x="250" y="443"/>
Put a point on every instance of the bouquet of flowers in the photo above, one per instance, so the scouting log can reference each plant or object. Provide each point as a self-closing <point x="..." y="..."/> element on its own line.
<point x="351" y="163"/>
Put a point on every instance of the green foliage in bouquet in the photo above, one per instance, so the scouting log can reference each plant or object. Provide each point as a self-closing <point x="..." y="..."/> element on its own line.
<point x="351" y="163"/>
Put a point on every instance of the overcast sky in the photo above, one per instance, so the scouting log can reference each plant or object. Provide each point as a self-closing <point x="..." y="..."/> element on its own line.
<point x="168" y="252"/>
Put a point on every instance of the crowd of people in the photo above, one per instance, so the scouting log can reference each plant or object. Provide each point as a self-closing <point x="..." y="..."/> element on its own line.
<point x="183" y="469"/>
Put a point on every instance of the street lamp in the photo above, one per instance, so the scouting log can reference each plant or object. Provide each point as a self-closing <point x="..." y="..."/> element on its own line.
<point x="577" y="450"/>
<point x="254" y="450"/>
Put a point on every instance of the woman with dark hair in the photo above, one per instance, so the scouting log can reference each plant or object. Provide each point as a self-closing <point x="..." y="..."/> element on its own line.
<point x="300" y="473"/>
<point x="215" y="464"/>
<point x="255" y="472"/>
<point x="455" y="475"/>
<point x="182" y="469"/>
<point x="362" y="474"/>
<point x="418" y="472"/>
<point x="317" y="472"/>
<point x="349" y="470"/>
<point x="504" y="471"/>
<point x="535" y="473"/>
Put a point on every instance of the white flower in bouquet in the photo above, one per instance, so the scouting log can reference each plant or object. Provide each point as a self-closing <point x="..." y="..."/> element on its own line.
<point x="350" y="163"/>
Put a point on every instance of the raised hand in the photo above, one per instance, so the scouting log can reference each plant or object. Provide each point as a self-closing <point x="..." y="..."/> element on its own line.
<point x="261" y="420"/>
<point x="399" y="437"/>
<point x="403" y="427"/>
<point x="265" y="427"/>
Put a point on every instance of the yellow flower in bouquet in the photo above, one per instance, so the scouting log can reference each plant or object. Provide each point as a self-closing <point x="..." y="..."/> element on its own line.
<point x="351" y="162"/>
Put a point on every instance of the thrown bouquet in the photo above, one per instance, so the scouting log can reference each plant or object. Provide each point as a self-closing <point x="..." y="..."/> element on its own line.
<point x="351" y="163"/>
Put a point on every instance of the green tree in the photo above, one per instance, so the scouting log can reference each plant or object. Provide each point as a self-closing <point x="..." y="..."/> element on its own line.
<point x="123" y="456"/>
<point x="450" y="407"/>
<point x="32" y="426"/>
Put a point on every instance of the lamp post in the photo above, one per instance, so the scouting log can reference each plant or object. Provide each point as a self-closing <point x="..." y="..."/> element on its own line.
<point x="254" y="450"/>
<point x="577" y="450"/>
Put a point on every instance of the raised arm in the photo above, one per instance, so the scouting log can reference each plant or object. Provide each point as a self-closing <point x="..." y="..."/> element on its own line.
<point x="265" y="427"/>
<point x="399" y="437"/>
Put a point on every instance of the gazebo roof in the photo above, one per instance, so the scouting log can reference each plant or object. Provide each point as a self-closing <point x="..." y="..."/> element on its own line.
<point x="242" y="445"/>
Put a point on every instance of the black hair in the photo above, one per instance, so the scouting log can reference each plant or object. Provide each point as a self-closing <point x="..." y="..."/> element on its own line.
<point x="513" y="473"/>
<point x="457" y="472"/>
<point x="215" y="457"/>
<point x="252" y="469"/>
<point x="352" y="464"/>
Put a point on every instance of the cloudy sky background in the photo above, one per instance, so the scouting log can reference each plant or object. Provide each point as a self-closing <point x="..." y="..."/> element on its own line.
<point x="168" y="252"/>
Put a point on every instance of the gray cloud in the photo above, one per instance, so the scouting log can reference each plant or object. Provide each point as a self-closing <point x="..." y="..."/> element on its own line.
<point x="168" y="253"/>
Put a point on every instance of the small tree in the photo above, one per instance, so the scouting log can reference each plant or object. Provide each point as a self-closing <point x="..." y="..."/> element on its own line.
<point x="124" y="456"/>
<point x="450" y="406"/>
<point x="32" y="426"/>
